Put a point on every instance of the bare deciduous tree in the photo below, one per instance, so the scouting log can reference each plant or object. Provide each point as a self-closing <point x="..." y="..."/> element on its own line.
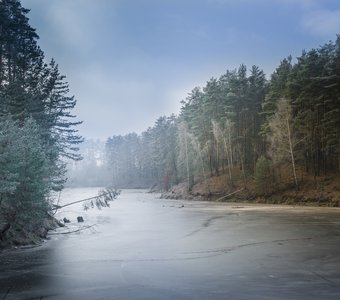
<point x="183" y="148"/>
<point x="281" y="137"/>
<point x="224" y="137"/>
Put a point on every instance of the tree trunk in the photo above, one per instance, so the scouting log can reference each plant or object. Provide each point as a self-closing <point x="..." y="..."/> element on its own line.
<point x="187" y="159"/>
<point x="291" y="152"/>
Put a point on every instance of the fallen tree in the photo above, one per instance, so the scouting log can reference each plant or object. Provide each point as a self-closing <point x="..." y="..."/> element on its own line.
<point x="103" y="199"/>
<point x="20" y="235"/>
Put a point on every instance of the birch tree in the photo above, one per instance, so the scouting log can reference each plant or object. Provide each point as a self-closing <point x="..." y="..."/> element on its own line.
<point x="281" y="137"/>
<point x="224" y="137"/>
<point x="183" y="149"/>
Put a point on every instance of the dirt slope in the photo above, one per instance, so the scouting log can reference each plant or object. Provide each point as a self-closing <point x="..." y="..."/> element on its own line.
<point x="321" y="191"/>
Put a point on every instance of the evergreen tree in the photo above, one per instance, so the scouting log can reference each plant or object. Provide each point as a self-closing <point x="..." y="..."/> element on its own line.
<point x="57" y="118"/>
<point x="35" y="112"/>
<point x="277" y="89"/>
<point x="313" y="88"/>
<point x="26" y="175"/>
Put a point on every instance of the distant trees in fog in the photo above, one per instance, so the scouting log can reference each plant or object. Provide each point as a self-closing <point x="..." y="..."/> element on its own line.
<point x="92" y="170"/>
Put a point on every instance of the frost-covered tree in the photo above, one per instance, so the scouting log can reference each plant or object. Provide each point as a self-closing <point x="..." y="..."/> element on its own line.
<point x="8" y="157"/>
<point x="27" y="173"/>
<point x="35" y="115"/>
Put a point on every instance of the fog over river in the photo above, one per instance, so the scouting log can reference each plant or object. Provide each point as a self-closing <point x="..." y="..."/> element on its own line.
<point x="143" y="247"/>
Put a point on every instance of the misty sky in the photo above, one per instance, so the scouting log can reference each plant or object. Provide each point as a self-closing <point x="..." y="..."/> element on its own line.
<point x="130" y="61"/>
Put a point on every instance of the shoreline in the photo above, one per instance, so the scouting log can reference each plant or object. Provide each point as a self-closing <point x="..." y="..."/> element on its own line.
<point x="305" y="195"/>
<point x="17" y="238"/>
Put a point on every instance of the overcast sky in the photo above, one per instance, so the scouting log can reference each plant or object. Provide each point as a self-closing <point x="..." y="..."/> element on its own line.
<point x="129" y="62"/>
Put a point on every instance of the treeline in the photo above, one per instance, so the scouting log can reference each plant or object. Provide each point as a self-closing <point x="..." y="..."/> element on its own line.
<point x="243" y="125"/>
<point x="36" y="124"/>
<point x="91" y="171"/>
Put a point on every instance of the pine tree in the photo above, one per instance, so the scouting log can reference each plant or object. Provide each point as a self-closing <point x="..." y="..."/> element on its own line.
<point x="26" y="175"/>
<point x="277" y="89"/>
<point x="57" y="118"/>
<point x="35" y="107"/>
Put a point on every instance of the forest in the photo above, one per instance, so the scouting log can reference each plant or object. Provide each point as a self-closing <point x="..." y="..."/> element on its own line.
<point x="37" y="129"/>
<point x="261" y="134"/>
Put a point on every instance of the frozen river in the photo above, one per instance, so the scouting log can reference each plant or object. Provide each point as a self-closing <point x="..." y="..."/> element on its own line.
<point x="146" y="248"/>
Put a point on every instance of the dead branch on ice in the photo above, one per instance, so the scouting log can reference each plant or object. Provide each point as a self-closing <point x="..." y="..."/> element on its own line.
<point x="226" y="196"/>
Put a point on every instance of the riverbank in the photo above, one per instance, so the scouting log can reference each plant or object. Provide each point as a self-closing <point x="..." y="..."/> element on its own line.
<point x="11" y="237"/>
<point x="323" y="191"/>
